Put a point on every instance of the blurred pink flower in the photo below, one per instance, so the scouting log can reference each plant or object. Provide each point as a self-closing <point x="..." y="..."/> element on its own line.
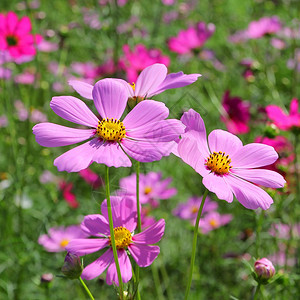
<point x="27" y="77"/>
<point x="192" y="38"/>
<point x="264" y="268"/>
<point x="15" y="36"/>
<point x="213" y="220"/>
<point x="46" y="46"/>
<point x="237" y="114"/>
<point x="85" y="70"/>
<point x="139" y="245"/>
<point x="59" y="237"/>
<point x="22" y="112"/>
<point x="282" y="120"/>
<point x="47" y="177"/>
<point x="3" y="121"/>
<point x="5" y="73"/>
<point x="37" y="116"/>
<point x="263" y="26"/>
<point x="107" y="68"/>
<point x="146" y="220"/>
<point x="133" y="62"/>
<point x="91" y="178"/>
<point x="168" y="2"/>
<point x="152" y="187"/>
<point x="228" y="167"/>
<point x="69" y="197"/>
<point x="278" y="43"/>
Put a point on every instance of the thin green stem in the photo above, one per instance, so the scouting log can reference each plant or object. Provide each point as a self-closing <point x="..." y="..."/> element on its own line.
<point x="188" y="287"/>
<point x="86" y="288"/>
<point x="259" y="221"/>
<point x="111" y="228"/>
<point x="256" y="294"/>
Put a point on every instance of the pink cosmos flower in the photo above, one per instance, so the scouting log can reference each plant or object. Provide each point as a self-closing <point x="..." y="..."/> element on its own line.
<point x="137" y="60"/>
<point x="213" y="220"/>
<point x="15" y="36"/>
<point x="237" y="114"/>
<point x="144" y="134"/>
<point x="153" y="80"/>
<point x="189" y="210"/>
<point x="192" y="38"/>
<point x="69" y="197"/>
<point x="3" y="121"/>
<point x="228" y="167"/>
<point x="59" y="237"/>
<point x="264" y="268"/>
<point x="264" y="26"/>
<point x="125" y="221"/>
<point x="91" y="178"/>
<point x="281" y="119"/>
<point x="152" y="187"/>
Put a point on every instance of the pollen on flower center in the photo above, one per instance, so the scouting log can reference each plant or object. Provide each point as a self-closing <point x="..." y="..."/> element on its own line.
<point x="213" y="223"/>
<point x="111" y="130"/>
<point x="219" y="163"/>
<point x="11" y="40"/>
<point x="147" y="190"/>
<point x="64" y="243"/>
<point x="132" y="85"/>
<point x="194" y="209"/>
<point x="122" y="237"/>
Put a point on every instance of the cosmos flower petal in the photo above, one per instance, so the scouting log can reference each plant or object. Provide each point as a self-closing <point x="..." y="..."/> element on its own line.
<point x="74" y="110"/>
<point x="248" y="194"/>
<point x="97" y="267"/>
<point x="253" y="156"/>
<point x="11" y="22"/>
<point x="128" y="213"/>
<point x="263" y="177"/>
<point x="149" y="79"/>
<point x="175" y="80"/>
<point x="23" y="27"/>
<point x="125" y="268"/>
<point x="220" y="140"/>
<point x="144" y="255"/>
<point x="110" y="98"/>
<point x="53" y="135"/>
<point x="147" y="111"/>
<point x="218" y="185"/>
<point x="82" y="88"/>
<point x="115" y="210"/>
<point x="152" y="234"/>
<point x="95" y="225"/>
<point x="78" y="158"/>
<point x="83" y="247"/>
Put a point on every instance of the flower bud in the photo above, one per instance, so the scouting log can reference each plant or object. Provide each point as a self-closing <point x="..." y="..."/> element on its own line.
<point x="264" y="269"/>
<point x="47" y="278"/>
<point x="72" y="267"/>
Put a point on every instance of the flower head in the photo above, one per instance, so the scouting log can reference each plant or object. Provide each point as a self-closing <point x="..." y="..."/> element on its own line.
<point x="264" y="268"/>
<point x="263" y="26"/>
<point x="228" y="167"/>
<point x="59" y="237"/>
<point x="213" y="220"/>
<point x="72" y="267"/>
<point x="125" y="221"/>
<point x="143" y="134"/>
<point x="15" y="36"/>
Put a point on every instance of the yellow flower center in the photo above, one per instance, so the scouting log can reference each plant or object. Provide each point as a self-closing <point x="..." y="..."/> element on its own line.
<point x="132" y="85"/>
<point x="213" y="223"/>
<point x="147" y="190"/>
<point x="111" y="130"/>
<point x="122" y="237"/>
<point x="219" y="163"/>
<point x="64" y="243"/>
<point x="194" y="209"/>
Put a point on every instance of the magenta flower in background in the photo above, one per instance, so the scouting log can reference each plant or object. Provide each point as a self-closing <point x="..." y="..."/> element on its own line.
<point x="189" y="210"/>
<point x="213" y="220"/>
<point x="192" y="38"/>
<point x="91" y="178"/>
<point x="282" y="120"/>
<point x="139" y="245"/>
<point x="237" y="114"/>
<point x="15" y="36"/>
<point x="264" y="268"/>
<point x="3" y="121"/>
<point x="266" y="25"/>
<point x="228" y="167"/>
<point x="144" y="134"/>
<point x="133" y="62"/>
<point x="59" y="237"/>
<point x="152" y="187"/>
<point x="69" y="197"/>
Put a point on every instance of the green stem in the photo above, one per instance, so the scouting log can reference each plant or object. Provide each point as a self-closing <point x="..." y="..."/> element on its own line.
<point x="195" y="245"/>
<point x="86" y="288"/>
<point x="111" y="228"/>
<point x="256" y="294"/>
<point x="259" y="221"/>
<point x="139" y="225"/>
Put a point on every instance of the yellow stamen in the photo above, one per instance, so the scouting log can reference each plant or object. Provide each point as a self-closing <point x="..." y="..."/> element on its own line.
<point x="194" y="209"/>
<point x="122" y="237"/>
<point x="64" y="243"/>
<point x="219" y="163"/>
<point x="132" y="85"/>
<point x="213" y="223"/>
<point x="111" y="130"/>
<point x="147" y="190"/>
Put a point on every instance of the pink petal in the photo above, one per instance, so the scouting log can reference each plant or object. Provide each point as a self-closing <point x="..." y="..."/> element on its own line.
<point x="276" y="114"/>
<point x="125" y="268"/>
<point x="53" y="135"/>
<point x="294" y="107"/>
<point x="218" y="185"/>
<point x="112" y="155"/>
<point x="254" y="155"/>
<point x="110" y="98"/>
<point x="128" y="213"/>
<point x="220" y="140"/>
<point x="145" y="112"/>
<point x="152" y="234"/>
<point x="149" y="79"/>
<point x="11" y="22"/>
<point x="78" y="158"/>
<point x="248" y="194"/>
<point x="95" y="225"/>
<point x="74" y="110"/>
<point x="115" y="209"/>
<point x="144" y="255"/>
<point x="98" y="266"/>
<point x="83" y="247"/>
<point x="175" y="80"/>
<point x="23" y="27"/>
<point x="263" y="177"/>
<point x="82" y="88"/>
